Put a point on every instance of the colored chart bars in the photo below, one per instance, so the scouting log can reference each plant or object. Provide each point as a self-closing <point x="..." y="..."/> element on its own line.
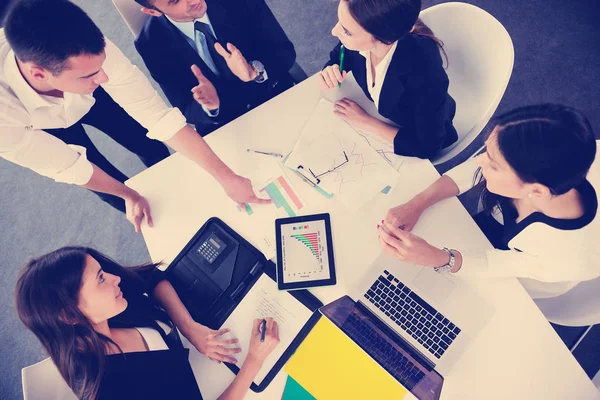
<point x="283" y="196"/>
<point x="310" y="240"/>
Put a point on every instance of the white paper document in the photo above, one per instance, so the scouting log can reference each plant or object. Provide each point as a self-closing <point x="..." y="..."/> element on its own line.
<point x="342" y="161"/>
<point x="265" y="300"/>
<point x="351" y="90"/>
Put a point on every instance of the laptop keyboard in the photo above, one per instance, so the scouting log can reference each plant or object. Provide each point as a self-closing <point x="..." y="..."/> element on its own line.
<point x="413" y="314"/>
<point x="390" y="358"/>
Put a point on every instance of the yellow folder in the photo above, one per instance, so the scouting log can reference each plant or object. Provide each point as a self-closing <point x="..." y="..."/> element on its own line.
<point x="330" y="366"/>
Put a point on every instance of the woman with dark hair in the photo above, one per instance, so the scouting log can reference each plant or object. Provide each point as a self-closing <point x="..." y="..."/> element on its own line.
<point x="395" y="59"/>
<point x="110" y="340"/>
<point x="539" y="206"/>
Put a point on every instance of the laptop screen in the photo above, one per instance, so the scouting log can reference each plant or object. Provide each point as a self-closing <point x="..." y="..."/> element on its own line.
<point x="387" y="348"/>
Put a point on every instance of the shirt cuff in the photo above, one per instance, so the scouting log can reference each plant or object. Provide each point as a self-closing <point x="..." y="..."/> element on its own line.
<point x="168" y="126"/>
<point x="464" y="175"/>
<point x="80" y="172"/>
<point x="211" y="113"/>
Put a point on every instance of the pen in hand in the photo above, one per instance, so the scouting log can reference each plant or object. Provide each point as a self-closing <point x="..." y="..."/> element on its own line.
<point x="263" y="328"/>
<point x="342" y="48"/>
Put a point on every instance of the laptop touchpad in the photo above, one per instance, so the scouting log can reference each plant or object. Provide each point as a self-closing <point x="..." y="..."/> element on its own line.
<point x="436" y="285"/>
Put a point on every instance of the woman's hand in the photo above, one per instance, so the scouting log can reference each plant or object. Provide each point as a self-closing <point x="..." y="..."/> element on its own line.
<point x="209" y="343"/>
<point x="259" y="351"/>
<point x="353" y="114"/>
<point x="330" y="77"/>
<point x="405" y="216"/>
<point x="410" y="248"/>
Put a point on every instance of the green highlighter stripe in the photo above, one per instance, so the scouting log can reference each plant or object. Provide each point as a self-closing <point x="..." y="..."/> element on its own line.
<point x="278" y="198"/>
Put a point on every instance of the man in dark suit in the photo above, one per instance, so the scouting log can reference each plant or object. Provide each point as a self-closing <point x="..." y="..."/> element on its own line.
<point x="215" y="60"/>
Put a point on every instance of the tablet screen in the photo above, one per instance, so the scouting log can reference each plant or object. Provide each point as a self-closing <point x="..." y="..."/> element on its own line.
<point x="304" y="251"/>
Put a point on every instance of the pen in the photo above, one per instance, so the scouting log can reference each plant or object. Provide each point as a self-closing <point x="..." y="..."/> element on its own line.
<point x="263" y="329"/>
<point x="266" y="153"/>
<point x="342" y="48"/>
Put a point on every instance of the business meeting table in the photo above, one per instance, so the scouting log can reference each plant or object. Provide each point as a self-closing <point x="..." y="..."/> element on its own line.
<point x="517" y="355"/>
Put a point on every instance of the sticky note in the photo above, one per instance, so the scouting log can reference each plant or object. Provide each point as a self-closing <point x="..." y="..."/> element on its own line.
<point x="330" y="366"/>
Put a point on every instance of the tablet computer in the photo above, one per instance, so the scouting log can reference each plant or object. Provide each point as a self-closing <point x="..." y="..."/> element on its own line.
<point x="304" y="252"/>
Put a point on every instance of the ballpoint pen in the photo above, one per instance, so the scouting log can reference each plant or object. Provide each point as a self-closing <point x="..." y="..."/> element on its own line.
<point x="266" y="153"/>
<point x="263" y="329"/>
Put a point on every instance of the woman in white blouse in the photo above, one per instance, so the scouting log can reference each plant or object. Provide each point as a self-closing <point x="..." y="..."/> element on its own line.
<point x="539" y="208"/>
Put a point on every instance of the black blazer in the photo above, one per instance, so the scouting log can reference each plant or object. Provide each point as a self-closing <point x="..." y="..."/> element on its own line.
<point x="414" y="95"/>
<point x="247" y="24"/>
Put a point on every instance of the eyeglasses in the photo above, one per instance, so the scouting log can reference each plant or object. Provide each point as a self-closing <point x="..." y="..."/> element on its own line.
<point x="314" y="178"/>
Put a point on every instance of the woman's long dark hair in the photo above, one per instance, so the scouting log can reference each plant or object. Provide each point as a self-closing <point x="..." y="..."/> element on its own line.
<point x="550" y="144"/>
<point x="391" y="20"/>
<point x="47" y="295"/>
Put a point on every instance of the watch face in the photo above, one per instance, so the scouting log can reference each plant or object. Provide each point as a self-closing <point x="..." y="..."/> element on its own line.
<point x="258" y="66"/>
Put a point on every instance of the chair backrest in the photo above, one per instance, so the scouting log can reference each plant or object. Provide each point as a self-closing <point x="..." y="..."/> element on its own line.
<point x="130" y="11"/>
<point x="580" y="306"/>
<point x="480" y="62"/>
<point x="42" y="381"/>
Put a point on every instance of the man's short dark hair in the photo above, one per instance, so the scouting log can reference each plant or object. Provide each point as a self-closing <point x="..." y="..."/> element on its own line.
<point x="49" y="32"/>
<point x="147" y="3"/>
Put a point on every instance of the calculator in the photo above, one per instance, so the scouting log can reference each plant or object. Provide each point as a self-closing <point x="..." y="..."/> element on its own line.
<point x="211" y="248"/>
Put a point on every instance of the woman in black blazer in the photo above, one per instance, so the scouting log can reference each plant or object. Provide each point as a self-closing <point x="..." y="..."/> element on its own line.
<point x="395" y="59"/>
<point x="100" y="324"/>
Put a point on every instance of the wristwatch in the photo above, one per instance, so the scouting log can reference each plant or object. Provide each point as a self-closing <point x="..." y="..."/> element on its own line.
<point x="260" y="69"/>
<point x="448" y="267"/>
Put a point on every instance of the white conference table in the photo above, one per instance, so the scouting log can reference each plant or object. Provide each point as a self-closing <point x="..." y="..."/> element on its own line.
<point x="517" y="356"/>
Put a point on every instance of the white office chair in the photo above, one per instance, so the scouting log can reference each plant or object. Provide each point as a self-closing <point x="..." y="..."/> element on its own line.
<point x="480" y="62"/>
<point x="42" y="381"/>
<point x="135" y="19"/>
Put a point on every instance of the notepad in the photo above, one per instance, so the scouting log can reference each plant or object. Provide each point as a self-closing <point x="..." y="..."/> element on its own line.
<point x="330" y="366"/>
<point x="265" y="300"/>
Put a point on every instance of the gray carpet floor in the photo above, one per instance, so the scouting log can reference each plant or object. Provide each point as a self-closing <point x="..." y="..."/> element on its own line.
<point x="557" y="59"/>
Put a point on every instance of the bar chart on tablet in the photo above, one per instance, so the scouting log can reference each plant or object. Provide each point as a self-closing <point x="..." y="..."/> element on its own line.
<point x="304" y="252"/>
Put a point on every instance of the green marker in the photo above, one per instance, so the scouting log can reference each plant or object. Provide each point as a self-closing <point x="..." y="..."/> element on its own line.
<point x="342" y="48"/>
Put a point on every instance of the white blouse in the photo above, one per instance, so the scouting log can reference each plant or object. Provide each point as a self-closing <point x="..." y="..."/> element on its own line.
<point x="549" y="256"/>
<point x="380" y="72"/>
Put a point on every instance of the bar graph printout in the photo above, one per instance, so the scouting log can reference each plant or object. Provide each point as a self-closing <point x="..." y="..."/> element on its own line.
<point x="304" y="252"/>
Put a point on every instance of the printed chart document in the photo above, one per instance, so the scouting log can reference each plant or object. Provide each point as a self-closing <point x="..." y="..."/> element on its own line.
<point x="351" y="90"/>
<point x="334" y="156"/>
<point x="257" y="222"/>
<point x="265" y="300"/>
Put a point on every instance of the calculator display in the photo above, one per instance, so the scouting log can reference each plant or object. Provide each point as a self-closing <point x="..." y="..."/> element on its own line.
<point x="211" y="248"/>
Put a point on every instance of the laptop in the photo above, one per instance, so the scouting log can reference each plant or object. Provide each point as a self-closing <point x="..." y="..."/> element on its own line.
<point x="414" y="322"/>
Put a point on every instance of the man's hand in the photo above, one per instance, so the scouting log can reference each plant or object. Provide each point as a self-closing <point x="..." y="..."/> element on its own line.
<point x="209" y="343"/>
<point x="205" y="93"/>
<point x="239" y="189"/>
<point x="136" y="207"/>
<point x="236" y="62"/>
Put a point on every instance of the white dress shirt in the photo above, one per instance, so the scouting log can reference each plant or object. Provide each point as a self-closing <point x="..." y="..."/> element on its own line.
<point x="380" y="72"/>
<point x="24" y="114"/>
<point x="547" y="260"/>
<point x="198" y="42"/>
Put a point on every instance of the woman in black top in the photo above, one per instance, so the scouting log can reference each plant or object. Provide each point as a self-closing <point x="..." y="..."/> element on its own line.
<point x="395" y="59"/>
<point x="86" y="310"/>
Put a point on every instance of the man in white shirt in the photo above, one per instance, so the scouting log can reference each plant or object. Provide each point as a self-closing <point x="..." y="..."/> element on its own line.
<point x="52" y="58"/>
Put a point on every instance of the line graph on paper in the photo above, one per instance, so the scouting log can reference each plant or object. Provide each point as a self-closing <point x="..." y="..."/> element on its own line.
<point x="346" y="164"/>
<point x="383" y="148"/>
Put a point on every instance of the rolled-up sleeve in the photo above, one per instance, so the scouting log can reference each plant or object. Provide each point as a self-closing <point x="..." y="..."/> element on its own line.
<point x="463" y="175"/>
<point x="130" y="88"/>
<point x="46" y="155"/>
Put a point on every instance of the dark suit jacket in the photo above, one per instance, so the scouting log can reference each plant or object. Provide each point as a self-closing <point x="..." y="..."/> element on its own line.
<point x="251" y="27"/>
<point x="414" y="95"/>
